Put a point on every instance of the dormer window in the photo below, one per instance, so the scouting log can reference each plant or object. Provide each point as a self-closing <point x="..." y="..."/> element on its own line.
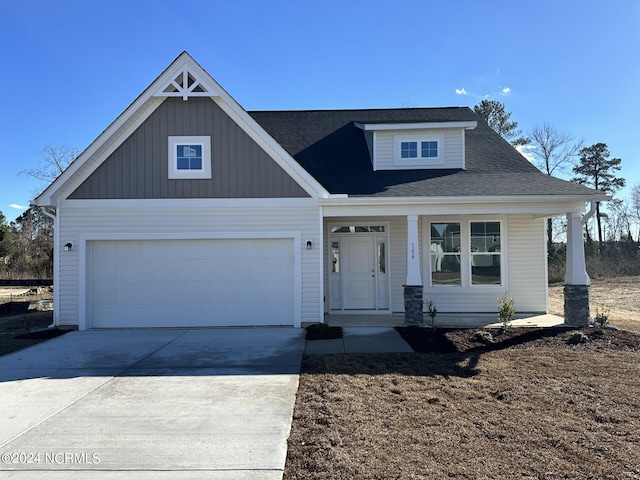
<point x="418" y="150"/>
<point x="428" y="149"/>
<point x="416" y="145"/>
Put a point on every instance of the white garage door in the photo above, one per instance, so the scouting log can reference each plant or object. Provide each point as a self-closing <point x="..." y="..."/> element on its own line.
<point x="178" y="283"/>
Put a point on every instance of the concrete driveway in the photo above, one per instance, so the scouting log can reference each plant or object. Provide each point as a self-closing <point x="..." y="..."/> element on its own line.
<point x="142" y="404"/>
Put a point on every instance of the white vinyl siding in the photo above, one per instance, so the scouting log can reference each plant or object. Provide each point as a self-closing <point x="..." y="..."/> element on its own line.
<point x="527" y="263"/>
<point x="94" y="220"/>
<point x="452" y="149"/>
<point x="524" y="267"/>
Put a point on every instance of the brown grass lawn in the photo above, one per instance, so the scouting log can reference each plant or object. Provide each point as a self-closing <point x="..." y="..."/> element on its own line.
<point x="545" y="410"/>
<point x="620" y="296"/>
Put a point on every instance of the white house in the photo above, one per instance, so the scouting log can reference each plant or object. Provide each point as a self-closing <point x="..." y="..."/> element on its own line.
<point x="190" y="211"/>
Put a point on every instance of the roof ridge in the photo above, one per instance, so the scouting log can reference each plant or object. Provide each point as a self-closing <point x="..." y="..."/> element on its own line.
<point x="389" y="109"/>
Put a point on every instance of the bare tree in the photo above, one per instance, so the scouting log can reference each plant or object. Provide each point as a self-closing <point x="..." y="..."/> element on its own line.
<point x="553" y="152"/>
<point x="635" y="206"/>
<point x="53" y="161"/>
<point x="618" y="220"/>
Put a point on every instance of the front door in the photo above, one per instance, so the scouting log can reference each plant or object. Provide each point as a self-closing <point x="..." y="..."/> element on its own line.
<point x="358" y="272"/>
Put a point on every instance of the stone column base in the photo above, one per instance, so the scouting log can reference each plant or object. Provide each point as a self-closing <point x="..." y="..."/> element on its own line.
<point x="576" y="305"/>
<point x="413" y="305"/>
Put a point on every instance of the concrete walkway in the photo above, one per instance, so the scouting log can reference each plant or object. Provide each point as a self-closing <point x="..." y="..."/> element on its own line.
<point x="360" y="340"/>
<point x="150" y="404"/>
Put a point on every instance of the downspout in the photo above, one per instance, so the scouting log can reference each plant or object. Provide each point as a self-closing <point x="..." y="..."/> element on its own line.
<point x="52" y="215"/>
<point x="589" y="214"/>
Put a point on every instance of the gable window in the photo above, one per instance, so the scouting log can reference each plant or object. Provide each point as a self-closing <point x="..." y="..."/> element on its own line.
<point x="189" y="157"/>
<point x="419" y="150"/>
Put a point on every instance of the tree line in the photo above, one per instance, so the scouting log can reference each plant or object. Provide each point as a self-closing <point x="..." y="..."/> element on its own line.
<point x="26" y="244"/>
<point x="558" y="153"/>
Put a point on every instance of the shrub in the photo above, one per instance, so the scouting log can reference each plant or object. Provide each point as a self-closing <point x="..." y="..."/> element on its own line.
<point x="483" y="337"/>
<point x="506" y="311"/>
<point x="432" y="311"/>
<point x="601" y="319"/>
<point x="578" y="338"/>
<point x="322" y="331"/>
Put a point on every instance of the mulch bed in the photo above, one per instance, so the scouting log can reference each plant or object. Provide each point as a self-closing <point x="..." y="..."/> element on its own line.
<point x="42" y="334"/>
<point x="26" y="329"/>
<point x="425" y="340"/>
<point x="322" y="331"/>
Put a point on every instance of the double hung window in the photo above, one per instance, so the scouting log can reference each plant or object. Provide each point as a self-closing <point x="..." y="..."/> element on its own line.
<point x="465" y="254"/>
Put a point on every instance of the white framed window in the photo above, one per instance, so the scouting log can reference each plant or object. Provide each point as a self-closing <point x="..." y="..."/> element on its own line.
<point x="416" y="150"/>
<point x="189" y="157"/>
<point x="466" y="254"/>
<point x="485" y="253"/>
<point x="444" y="250"/>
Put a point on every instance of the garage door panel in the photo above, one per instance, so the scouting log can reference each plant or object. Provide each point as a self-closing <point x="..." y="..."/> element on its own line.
<point x="181" y="283"/>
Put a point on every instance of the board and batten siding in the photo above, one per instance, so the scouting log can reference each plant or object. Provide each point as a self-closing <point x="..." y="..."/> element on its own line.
<point x="138" y="168"/>
<point x="453" y="148"/>
<point x="104" y="222"/>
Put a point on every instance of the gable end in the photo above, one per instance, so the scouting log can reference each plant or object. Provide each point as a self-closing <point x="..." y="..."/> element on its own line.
<point x="138" y="168"/>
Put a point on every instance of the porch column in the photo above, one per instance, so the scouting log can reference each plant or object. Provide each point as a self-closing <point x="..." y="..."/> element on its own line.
<point x="576" y="280"/>
<point x="413" y="288"/>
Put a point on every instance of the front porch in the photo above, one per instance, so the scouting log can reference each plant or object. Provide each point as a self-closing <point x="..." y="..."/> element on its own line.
<point x="459" y="320"/>
<point x="376" y="264"/>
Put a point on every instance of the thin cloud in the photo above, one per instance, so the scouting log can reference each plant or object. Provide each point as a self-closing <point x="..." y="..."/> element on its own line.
<point x="527" y="152"/>
<point x="505" y="91"/>
<point x="461" y="91"/>
<point x="17" y="206"/>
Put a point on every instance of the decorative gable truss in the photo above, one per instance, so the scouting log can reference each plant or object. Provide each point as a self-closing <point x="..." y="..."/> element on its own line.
<point x="185" y="84"/>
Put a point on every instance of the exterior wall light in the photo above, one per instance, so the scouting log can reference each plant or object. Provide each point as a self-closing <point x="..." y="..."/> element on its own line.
<point x="309" y="244"/>
<point x="68" y="247"/>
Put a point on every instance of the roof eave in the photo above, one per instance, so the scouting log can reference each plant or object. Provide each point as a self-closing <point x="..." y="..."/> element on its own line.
<point x="468" y="125"/>
<point x="335" y="200"/>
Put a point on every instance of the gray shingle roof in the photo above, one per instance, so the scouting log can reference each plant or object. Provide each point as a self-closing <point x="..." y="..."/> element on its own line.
<point x="330" y="147"/>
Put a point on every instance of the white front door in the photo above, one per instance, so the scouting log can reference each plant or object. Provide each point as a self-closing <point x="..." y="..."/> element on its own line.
<point x="358" y="272"/>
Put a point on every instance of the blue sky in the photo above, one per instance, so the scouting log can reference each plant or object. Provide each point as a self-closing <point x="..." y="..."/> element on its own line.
<point x="69" y="68"/>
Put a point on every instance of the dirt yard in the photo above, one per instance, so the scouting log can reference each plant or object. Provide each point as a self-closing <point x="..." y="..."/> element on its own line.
<point x="21" y="330"/>
<point x="620" y="296"/>
<point x="531" y="406"/>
